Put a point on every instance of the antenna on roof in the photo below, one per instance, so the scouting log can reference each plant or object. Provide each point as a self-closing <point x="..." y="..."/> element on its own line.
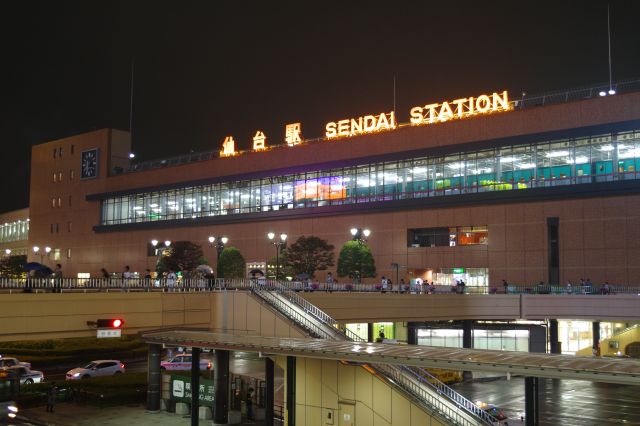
<point x="611" y="91"/>
<point x="394" y="92"/>
<point x="131" y="101"/>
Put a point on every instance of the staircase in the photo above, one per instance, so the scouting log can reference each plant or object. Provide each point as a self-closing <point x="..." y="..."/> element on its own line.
<point x="421" y="386"/>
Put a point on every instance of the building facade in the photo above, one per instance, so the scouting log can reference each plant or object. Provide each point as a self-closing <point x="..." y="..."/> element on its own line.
<point x="549" y="193"/>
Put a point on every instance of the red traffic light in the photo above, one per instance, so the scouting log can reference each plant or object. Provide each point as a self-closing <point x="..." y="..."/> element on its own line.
<point x="110" y="323"/>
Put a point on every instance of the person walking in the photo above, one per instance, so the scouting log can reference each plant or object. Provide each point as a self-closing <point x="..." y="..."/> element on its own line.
<point x="383" y="284"/>
<point x="57" y="279"/>
<point x="329" y="282"/>
<point x="250" y="404"/>
<point x="147" y="279"/>
<point x="171" y="280"/>
<point x="126" y="276"/>
<point x="52" y="394"/>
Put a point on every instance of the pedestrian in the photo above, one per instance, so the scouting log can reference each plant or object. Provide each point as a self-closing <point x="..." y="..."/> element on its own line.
<point x="402" y="286"/>
<point x="569" y="287"/>
<point x="383" y="284"/>
<point x="211" y="280"/>
<point x="171" y="280"/>
<point x="329" y="282"/>
<point x="147" y="279"/>
<point x="28" y="285"/>
<point x="52" y="394"/>
<point x="104" y="273"/>
<point x="505" y="286"/>
<point x="390" y="285"/>
<point x="126" y="276"/>
<point x="250" y="404"/>
<point x="57" y="278"/>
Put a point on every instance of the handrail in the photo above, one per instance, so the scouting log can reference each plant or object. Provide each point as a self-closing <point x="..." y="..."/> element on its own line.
<point x="438" y="386"/>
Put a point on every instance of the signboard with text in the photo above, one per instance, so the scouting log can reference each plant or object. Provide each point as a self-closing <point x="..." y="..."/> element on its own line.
<point x="181" y="390"/>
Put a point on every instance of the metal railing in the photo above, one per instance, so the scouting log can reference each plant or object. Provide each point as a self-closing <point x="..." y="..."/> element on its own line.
<point x="412" y="381"/>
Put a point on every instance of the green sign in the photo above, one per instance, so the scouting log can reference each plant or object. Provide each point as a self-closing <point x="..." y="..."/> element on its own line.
<point x="458" y="270"/>
<point x="181" y="390"/>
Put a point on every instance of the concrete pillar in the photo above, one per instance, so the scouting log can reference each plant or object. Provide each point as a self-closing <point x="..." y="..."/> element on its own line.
<point x="412" y="334"/>
<point x="269" y="391"/>
<point x="370" y="337"/>
<point x="467" y="343"/>
<point x="554" y="346"/>
<point x="221" y="382"/>
<point x="531" y="401"/>
<point x="596" y="333"/>
<point x="195" y="386"/>
<point x="291" y="391"/>
<point x="154" y="378"/>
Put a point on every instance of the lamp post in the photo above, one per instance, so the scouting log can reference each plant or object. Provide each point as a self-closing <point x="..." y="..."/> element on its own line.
<point x="360" y="235"/>
<point x="278" y="243"/>
<point x="7" y="252"/>
<point x="36" y="250"/>
<point x="159" y="251"/>
<point x="218" y="243"/>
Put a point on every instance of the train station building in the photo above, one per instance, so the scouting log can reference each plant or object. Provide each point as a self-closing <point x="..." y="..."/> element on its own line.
<point x="483" y="188"/>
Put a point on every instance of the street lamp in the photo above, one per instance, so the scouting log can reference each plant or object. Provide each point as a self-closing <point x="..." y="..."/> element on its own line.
<point x="218" y="243"/>
<point x="36" y="250"/>
<point x="7" y="252"/>
<point x="278" y="243"/>
<point x="360" y="235"/>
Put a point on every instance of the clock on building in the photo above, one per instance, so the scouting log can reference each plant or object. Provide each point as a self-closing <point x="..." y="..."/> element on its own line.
<point x="89" y="164"/>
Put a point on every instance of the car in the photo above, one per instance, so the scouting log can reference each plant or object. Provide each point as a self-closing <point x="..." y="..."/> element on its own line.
<point x="183" y="362"/>
<point x="26" y="375"/>
<point x="102" y="367"/>
<point x="492" y="410"/>
<point x="11" y="361"/>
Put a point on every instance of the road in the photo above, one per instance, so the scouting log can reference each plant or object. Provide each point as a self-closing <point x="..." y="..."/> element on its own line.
<point x="562" y="402"/>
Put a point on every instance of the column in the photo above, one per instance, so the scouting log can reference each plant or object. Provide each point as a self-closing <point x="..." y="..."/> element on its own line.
<point x="154" y="380"/>
<point x="531" y="409"/>
<point x="554" y="345"/>
<point x="221" y="383"/>
<point x="553" y="242"/>
<point x="596" y="335"/>
<point x="291" y="391"/>
<point x="195" y="386"/>
<point x="467" y="343"/>
<point x="269" y="391"/>
<point x="370" y="337"/>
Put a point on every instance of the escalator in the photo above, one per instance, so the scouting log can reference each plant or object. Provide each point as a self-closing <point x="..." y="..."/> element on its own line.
<point x="435" y="397"/>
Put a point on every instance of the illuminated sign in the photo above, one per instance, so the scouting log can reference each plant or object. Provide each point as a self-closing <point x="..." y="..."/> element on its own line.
<point x="361" y="125"/>
<point x="460" y="108"/>
<point x="292" y="134"/>
<point x="258" y="141"/>
<point x="228" y="147"/>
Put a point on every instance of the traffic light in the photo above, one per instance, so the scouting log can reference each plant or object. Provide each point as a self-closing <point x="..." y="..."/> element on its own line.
<point x="110" y="323"/>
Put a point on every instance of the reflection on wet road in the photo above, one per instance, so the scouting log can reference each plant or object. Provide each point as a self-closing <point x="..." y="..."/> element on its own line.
<point x="562" y="402"/>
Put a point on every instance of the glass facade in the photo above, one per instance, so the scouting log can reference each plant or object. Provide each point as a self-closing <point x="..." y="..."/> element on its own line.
<point x="14" y="231"/>
<point x="597" y="158"/>
<point x="498" y="340"/>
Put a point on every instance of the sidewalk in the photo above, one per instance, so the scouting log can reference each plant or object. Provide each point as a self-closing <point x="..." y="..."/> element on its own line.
<point x="67" y="414"/>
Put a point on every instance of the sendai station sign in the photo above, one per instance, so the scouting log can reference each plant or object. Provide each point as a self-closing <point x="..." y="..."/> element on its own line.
<point x="419" y="115"/>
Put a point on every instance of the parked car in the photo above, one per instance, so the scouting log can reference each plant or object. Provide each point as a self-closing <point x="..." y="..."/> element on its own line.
<point x="103" y="367"/>
<point x="11" y="361"/>
<point x="26" y="375"/>
<point x="183" y="362"/>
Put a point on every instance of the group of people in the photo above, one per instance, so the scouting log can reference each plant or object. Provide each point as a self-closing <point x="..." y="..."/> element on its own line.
<point x="169" y="279"/>
<point x="55" y="276"/>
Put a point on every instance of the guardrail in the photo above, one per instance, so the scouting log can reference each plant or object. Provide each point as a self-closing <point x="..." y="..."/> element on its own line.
<point x="290" y="289"/>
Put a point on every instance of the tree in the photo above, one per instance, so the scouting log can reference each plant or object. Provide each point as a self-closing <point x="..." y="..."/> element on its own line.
<point x="284" y="269"/>
<point x="308" y="255"/>
<point x="356" y="261"/>
<point x="13" y="266"/>
<point x="182" y="256"/>
<point x="231" y="264"/>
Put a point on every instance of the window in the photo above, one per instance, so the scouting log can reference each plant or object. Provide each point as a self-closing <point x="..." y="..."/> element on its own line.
<point x="60" y="177"/>
<point x="55" y="177"/>
<point x="72" y="149"/>
<point x="59" y="201"/>
<point x="69" y="200"/>
<point x="53" y="203"/>
<point x="68" y="226"/>
<point x="60" y="152"/>
<point x="428" y="237"/>
<point x="68" y="253"/>
<point x="56" y="254"/>
<point x="51" y="228"/>
<point x="55" y="152"/>
<point x="72" y="174"/>
<point x="470" y="235"/>
<point x="57" y="228"/>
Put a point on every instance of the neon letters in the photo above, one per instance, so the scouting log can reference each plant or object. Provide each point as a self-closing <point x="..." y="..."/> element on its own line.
<point x="361" y="125"/>
<point x="460" y="108"/>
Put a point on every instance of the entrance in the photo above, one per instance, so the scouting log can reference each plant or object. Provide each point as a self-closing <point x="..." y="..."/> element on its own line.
<point x="472" y="277"/>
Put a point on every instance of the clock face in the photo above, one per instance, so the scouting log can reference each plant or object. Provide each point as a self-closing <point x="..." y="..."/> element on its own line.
<point x="89" y="165"/>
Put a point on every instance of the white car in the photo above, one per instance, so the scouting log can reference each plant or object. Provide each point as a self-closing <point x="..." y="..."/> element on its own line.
<point x="27" y="376"/>
<point x="183" y="362"/>
<point x="10" y="362"/>
<point x="102" y="367"/>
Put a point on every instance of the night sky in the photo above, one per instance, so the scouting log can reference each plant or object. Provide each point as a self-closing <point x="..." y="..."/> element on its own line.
<point x="204" y="70"/>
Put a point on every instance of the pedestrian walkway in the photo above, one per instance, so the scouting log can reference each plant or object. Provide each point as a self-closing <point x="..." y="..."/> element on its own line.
<point x="68" y="414"/>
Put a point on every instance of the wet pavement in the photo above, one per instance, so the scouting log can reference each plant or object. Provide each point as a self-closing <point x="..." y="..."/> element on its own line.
<point x="562" y="402"/>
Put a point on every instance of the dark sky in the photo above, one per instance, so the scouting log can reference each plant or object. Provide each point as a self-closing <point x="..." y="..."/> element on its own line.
<point x="207" y="69"/>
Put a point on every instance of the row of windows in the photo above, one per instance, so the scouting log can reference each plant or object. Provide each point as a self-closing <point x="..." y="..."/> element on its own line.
<point x="58" y="151"/>
<point x="55" y="227"/>
<point x="599" y="158"/>
<point x="453" y="236"/>
<point x="14" y="231"/>
<point x="57" y="202"/>
<point x="57" y="176"/>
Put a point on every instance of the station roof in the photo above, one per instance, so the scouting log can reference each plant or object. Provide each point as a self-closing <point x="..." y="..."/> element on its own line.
<point x="611" y="370"/>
